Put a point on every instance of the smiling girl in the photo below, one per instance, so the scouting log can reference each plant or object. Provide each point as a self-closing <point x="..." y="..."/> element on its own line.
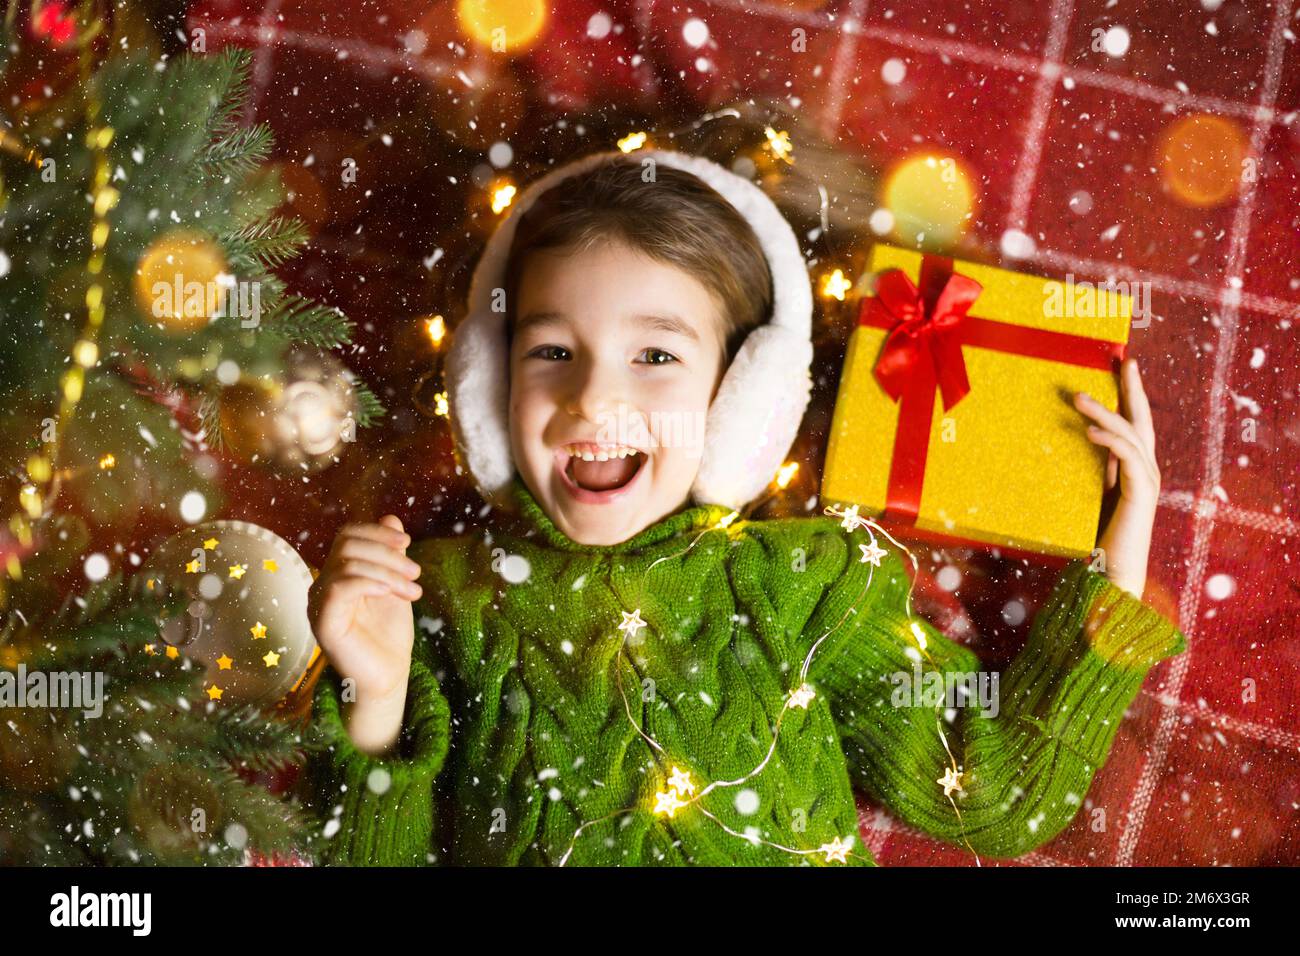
<point x="612" y="671"/>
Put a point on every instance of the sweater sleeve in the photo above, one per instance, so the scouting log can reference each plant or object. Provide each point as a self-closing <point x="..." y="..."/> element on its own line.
<point x="380" y="811"/>
<point x="1026" y="753"/>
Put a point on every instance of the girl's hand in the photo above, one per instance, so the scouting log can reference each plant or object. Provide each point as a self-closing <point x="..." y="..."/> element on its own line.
<point x="1131" y="438"/>
<point x="360" y="611"/>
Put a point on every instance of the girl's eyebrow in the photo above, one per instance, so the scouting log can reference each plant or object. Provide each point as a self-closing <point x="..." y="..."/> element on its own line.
<point x="538" y="318"/>
<point x="668" y="322"/>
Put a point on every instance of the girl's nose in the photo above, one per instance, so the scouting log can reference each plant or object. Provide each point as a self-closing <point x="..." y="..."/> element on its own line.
<point x="597" y="390"/>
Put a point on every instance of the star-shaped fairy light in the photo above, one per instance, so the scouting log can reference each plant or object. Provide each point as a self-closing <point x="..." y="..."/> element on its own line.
<point x="632" y="623"/>
<point x="803" y="696"/>
<point x="872" y="553"/>
<point x="680" y="781"/>
<point x="951" y="780"/>
<point x="852" y="521"/>
<point x="237" y="570"/>
<point x="224" y="663"/>
<point x="836" y="850"/>
<point x="272" y="659"/>
<point x="667" y="802"/>
<point x="258" y="631"/>
<point x="835" y="285"/>
<point x="778" y="143"/>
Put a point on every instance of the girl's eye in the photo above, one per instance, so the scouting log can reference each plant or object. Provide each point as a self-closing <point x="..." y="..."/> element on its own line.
<point x="541" y="350"/>
<point x="659" y="357"/>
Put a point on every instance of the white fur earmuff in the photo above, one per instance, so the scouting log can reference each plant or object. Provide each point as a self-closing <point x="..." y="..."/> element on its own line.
<point x="755" y="415"/>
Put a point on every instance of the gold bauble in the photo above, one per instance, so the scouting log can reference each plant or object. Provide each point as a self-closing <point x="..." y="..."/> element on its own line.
<point x="177" y="280"/>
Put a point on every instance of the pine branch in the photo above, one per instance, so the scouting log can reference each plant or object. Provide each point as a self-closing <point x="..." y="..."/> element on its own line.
<point x="369" y="408"/>
<point x="243" y="737"/>
<point x="210" y="416"/>
<point x="228" y="71"/>
<point x="300" y="320"/>
<point x="238" y="152"/>
<point x="273" y="824"/>
<point x="268" y="243"/>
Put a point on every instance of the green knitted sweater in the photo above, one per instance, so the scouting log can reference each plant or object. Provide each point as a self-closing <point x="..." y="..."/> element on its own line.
<point x="539" y="732"/>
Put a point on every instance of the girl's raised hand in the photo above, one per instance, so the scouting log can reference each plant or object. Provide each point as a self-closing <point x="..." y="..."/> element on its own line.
<point x="1131" y="438"/>
<point x="360" y="611"/>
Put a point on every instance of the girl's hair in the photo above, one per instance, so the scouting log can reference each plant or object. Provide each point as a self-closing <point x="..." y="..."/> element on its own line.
<point x="675" y="218"/>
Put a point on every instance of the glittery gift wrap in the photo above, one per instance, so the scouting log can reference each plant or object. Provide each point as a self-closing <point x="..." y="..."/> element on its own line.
<point x="1009" y="464"/>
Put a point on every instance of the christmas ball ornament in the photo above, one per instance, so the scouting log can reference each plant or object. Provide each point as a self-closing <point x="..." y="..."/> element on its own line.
<point x="246" y="618"/>
<point x="301" y="421"/>
<point x="181" y="280"/>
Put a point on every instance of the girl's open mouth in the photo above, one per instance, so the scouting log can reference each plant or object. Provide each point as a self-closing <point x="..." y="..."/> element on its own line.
<point x="594" y="481"/>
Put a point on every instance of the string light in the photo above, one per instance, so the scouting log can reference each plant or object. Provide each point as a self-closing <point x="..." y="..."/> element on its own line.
<point x="681" y="792"/>
<point x="778" y="143"/>
<point x="785" y="473"/>
<point x="436" y="327"/>
<point x="632" y="141"/>
<point x="503" y="194"/>
<point x="726" y="520"/>
<point x="835" y="285"/>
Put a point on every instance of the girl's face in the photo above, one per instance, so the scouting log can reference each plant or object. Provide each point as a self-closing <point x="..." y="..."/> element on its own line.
<point x="617" y="356"/>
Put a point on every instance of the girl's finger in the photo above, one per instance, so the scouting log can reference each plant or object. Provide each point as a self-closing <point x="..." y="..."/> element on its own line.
<point x="374" y="532"/>
<point x="1137" y="404"/>
<point x="1103" y="416"/>
<point x="358" y="568"/>
<point x="1134" y="465"/>
<point x="368" y="550"/>
<point x="1112" y="470"/>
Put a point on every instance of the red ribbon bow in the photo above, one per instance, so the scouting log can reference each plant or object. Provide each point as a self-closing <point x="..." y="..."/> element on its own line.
<point x="925" y="328"/>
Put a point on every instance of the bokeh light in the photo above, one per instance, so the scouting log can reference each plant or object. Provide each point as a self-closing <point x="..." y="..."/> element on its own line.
<point x="931" y="198"/>
<point x="1202" y="159"/>
<point x="504" y="26"/>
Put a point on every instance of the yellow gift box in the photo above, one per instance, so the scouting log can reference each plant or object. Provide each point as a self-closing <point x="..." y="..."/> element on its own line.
<point x="1007" y="462"/>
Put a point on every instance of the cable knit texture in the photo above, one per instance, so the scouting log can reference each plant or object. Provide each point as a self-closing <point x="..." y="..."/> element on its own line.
<point x="522" y="739"/>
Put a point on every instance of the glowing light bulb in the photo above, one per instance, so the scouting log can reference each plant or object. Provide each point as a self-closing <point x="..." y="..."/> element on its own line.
<point x="786" y="473"/>
<point x="631" y="142"/>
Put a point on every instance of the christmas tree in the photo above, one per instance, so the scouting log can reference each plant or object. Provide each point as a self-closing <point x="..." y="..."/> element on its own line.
<point x="141" y="325"/>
